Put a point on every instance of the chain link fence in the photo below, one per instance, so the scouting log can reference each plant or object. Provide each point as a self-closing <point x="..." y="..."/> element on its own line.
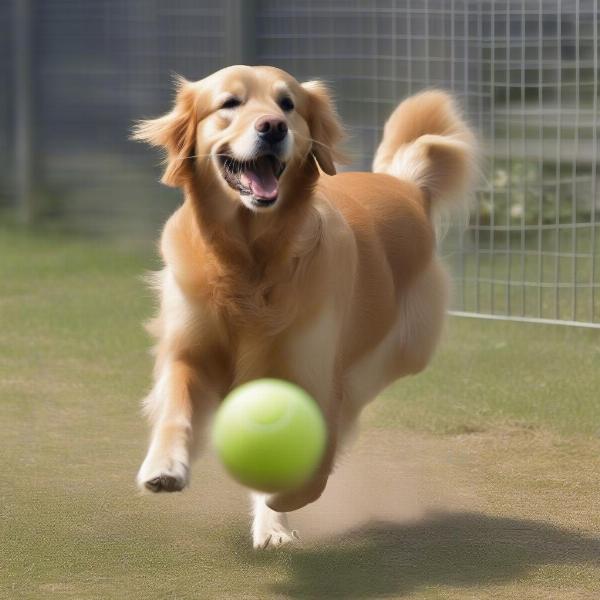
<point x="525" y="71"/>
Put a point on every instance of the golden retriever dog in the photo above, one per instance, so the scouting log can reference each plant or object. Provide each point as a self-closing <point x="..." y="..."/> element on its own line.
<point x="276" y="266"/>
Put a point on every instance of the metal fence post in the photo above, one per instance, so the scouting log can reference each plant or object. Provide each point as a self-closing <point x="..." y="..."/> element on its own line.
<point x="24" y="117"/>
<point x="240" y="32"/>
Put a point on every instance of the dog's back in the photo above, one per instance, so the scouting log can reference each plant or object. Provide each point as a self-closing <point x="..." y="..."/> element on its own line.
<point x="394" y="241"/>
<point x="425" y="159"/>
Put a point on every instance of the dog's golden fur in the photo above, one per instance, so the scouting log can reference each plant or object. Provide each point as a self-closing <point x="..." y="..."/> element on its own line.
<point x="337" y="288"/>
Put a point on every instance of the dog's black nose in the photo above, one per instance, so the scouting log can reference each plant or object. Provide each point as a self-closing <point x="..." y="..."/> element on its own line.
<point x="271" y="129"/>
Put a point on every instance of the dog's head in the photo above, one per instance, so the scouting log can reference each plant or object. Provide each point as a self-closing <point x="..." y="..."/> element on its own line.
<point x="250" y="128"/>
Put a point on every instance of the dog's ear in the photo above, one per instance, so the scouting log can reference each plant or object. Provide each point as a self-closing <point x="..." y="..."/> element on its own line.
<point x="176" y="133"/>
<point x="325" y="127"/>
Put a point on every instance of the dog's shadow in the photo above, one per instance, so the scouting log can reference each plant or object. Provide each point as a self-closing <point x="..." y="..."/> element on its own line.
<point x="456" y="549"/>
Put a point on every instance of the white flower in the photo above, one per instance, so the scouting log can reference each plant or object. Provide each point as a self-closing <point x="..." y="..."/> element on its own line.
<point x="516" y="211"/>
<point x="485" y="208"/>
<point x="500" y="178"/>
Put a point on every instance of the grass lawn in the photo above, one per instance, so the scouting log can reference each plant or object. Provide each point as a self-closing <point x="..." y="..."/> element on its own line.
<point x="477" y="479"/>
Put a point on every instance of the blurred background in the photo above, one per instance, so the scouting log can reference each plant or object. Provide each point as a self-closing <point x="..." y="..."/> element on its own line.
<point x="75" y="74"/>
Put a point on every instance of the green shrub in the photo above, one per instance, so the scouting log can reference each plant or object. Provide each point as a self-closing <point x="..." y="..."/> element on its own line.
<point x="526" y="193"/>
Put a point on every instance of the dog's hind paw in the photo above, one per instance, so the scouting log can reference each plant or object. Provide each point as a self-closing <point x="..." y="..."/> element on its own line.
<point x="274" y="537"/>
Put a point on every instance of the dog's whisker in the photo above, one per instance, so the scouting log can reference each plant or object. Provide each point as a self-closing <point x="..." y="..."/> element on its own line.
<point x="208" y="155"/>
<point x="310" y="139"/>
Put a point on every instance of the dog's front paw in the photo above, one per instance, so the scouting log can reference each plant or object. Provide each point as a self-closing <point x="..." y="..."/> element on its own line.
<point x="163" y="476"/>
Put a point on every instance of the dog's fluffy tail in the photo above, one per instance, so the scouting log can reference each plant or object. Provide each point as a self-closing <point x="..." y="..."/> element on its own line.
<point x="426" y="141"/>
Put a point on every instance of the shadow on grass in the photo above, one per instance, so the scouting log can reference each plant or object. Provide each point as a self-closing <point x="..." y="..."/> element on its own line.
<point x="456" y="549"/>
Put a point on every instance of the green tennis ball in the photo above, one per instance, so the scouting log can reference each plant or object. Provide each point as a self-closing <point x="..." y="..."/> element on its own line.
<point x="270" y="435"/>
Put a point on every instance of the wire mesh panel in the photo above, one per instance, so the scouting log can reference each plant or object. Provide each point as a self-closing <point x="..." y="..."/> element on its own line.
<point x="534" y="252"/>
<point x="526" y="73"/>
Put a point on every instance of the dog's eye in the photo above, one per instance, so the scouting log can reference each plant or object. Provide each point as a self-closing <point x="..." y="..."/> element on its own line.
<point x="231" y="103"/>
<point x="286" y="104"/>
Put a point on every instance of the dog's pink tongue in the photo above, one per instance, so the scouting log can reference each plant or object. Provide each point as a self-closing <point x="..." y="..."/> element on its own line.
<point x="261" y="180"/>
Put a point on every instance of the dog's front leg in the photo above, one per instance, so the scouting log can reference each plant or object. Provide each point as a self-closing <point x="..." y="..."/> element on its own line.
<point x="170" y="407"/>
<point x="311" y="490"/>
<point x="315" y="486"/>
<point x="322" y="378"/>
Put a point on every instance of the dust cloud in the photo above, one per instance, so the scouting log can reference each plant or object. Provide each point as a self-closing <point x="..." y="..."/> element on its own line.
<point x="381" y="478"/>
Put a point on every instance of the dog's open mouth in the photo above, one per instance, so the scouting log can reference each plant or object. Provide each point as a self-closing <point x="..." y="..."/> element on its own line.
<point x="258" y="177"/>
